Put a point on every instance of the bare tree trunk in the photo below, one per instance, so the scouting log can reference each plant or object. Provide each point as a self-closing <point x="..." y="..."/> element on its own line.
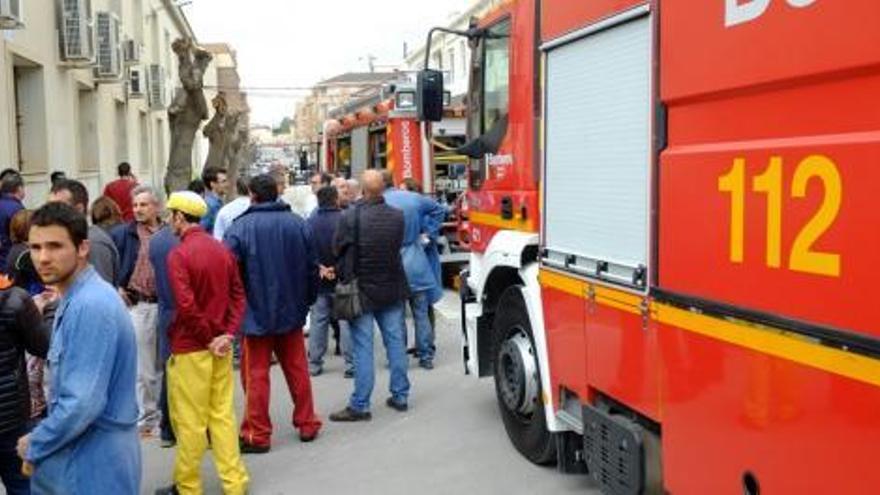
<point x="186" y="112"/>
<point x="217" y="133"/>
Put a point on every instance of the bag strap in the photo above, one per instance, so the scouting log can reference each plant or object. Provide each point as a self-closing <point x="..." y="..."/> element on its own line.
<point x="357" y="241"/>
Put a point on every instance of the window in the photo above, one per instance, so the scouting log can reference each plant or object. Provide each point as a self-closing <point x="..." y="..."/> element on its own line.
<point x="87" y="118"/>
<point x="496" y="75"/>
<point x="30" y="116"/>
<point x="489" y="96"/>
<point x="452" y="65"/>
<point x="121" y="132"/>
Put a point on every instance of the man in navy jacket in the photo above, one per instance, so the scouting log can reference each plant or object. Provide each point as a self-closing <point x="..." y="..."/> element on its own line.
<point x="280" y="272"/>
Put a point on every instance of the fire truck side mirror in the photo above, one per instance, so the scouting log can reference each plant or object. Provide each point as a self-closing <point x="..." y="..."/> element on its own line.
<point x="429" y="95"/>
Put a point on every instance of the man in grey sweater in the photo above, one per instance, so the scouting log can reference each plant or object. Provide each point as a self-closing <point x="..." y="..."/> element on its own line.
<point x="102" y="253"/>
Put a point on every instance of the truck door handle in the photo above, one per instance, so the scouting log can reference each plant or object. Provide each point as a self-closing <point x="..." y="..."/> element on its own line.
<point x="507" y="208"/>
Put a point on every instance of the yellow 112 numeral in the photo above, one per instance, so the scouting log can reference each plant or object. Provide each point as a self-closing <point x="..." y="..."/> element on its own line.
<point x="802" y="258"/>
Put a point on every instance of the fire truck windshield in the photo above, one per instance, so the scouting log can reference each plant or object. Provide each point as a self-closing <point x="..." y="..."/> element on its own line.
<point x="490" y="94"/>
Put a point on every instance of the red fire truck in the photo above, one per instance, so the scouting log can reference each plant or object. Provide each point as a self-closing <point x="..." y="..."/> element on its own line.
<point x="672" y="239"/>
<point x="381" y="131"/>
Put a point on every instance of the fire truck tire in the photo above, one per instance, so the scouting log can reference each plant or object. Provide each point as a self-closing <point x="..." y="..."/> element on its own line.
<point x="518" y="380"/>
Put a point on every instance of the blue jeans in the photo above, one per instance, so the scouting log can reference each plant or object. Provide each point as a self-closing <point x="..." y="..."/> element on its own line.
<point x="10" y="464"/>
<point x="418" y="304"/>
<point x="390" y="321"/>
<point x="319" y="327"/>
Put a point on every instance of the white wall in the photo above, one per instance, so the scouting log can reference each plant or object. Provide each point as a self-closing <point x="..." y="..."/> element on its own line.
<point x="50" y="97"/>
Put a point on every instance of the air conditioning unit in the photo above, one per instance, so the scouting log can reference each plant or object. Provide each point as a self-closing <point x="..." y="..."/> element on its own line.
<point x="156" y="88"/>
<point x="136" y="83"/>
<point x="109" y="53"/>
<point x="131" y="51"/>
<point x="76" y="37"/>
<point x="10" y="14"/>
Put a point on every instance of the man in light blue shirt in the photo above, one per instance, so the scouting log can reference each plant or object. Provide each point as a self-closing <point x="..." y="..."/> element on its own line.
<point x="216" y="186"/>
<point x="422" y="218"/>
<point x="88" y="443"/>
<point x="233" y="209"/>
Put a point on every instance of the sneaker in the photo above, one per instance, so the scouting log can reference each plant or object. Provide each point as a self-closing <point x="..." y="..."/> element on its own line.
<point x="168" y="490"/>
<point x="397" y="406"/>
<point x="167" y="443"/>
<point x="427" y="365"/>
<point x="348" y="374"/>
<point x="315" y="372"/>
<point x="249" y="448"/>
<point x="349" y="415"/>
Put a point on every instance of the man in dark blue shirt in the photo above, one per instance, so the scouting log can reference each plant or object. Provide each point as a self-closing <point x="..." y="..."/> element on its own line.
<point x="323" y="223"/>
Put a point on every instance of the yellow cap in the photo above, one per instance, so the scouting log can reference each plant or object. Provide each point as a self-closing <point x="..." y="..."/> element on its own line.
<point x="187" y="202"/>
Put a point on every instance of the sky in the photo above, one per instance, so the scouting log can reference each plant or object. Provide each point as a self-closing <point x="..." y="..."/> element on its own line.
<point x="297" y="43"/>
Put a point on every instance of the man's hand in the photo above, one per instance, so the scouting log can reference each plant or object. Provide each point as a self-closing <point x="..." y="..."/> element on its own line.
<point x="221" y="345"/>
<point x="327" y="272"/>
<point x="22" y="447"/>
<point x="124" y="295"/>
<point x="44" y="298"/>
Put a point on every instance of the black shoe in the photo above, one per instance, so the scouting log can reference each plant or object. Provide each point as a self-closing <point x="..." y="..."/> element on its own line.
<point x="309" y="437"/>
<point x="349" y="415"/>
<point x="316" y="372"/>
<point x="428" y="365"/>
<point x="167" y="443"/>
<point x="348" y="374"/>
<point x="397" y="406"/>
<point x="412" y="351"/>
<point x="168" y="490"/>
<point x="248" y="448"/>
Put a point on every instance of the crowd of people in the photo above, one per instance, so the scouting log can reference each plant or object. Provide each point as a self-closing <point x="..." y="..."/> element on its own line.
<point x="130" y="326"/>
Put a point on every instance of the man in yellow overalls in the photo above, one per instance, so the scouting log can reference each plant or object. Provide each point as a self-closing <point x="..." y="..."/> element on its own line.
<point x="209" y="305"/>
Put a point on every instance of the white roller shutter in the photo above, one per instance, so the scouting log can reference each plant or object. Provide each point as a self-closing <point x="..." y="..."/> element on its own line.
<point x="598" y="148"/>
<point x="360" y="148"/>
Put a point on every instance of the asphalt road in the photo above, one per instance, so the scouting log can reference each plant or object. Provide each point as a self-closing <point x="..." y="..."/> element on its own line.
<point x="450" y="441"/>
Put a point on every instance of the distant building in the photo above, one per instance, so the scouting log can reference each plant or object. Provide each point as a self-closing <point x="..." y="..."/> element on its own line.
<point x="326" y="96"/>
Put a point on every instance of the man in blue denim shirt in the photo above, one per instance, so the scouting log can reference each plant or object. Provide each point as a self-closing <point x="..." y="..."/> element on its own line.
<point x="423" y="218"/>
<point x="88" y="443"/>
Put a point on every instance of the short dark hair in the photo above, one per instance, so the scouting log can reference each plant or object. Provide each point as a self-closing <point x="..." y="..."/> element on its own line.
<point x="189" y="218"/>
<point x="412" y="185"/>
<point x="326" y="179"/>
<point x="65" y="216"/>
<point x="123" y="169"/>
<point x="210" y="174"/>
<point x="57" y="176"/>
<point x="241" y="185"/>
<point x="264" y="188"/>
<point x="11" y="183"/>
<point x="197" y="186"/>
<point x="328" y="196"/>
<point x="77" y="189"/>
<point x="388" y="178"/>
<point x="7" y="172"/>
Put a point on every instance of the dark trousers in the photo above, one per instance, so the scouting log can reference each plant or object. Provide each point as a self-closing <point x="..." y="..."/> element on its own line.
<point x="10" y="464"/>
<point x="166" y="432"/>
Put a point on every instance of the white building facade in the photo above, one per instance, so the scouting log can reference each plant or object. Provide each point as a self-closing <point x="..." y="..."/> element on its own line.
<point x="85" y="85"/>
<point x="450" y="53"/>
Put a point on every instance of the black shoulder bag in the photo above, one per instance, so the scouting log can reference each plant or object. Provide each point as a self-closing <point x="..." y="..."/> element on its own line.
<point x="347" y="296"/>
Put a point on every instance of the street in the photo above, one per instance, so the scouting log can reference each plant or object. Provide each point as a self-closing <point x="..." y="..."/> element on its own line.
<point x="450" y="441"/>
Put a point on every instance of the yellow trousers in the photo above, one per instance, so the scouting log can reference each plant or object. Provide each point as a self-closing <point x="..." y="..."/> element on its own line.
<point x="200" y="399"/>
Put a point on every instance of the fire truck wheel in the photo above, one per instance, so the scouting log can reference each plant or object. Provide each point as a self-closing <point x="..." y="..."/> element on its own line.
<point x="518" y="380"/>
